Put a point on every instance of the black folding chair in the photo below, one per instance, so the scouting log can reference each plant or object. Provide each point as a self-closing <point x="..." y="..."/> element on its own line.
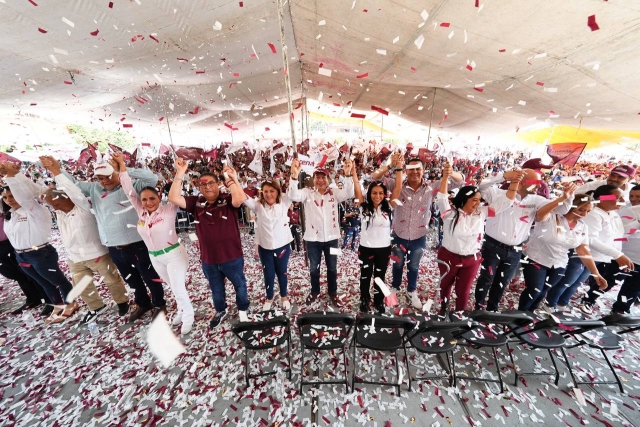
<point x="322" y="331"/>
<point x="609" y="337"/>
<point x="437" y="337"/>
<point x="381" y="333"/>
<point x="264" y="335"/>
<point x="489" y="334"/>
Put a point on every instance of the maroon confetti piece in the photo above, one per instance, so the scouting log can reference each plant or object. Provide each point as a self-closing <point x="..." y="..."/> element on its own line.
<point x="273" y="47"/>
<point x="358" y="116"/>
<point x="94" y="33"/>
<point x="32" y="2"/>
<point x="380" y="110"/>
<point x="591" y="23"/>
<point x="127" y="125"/>
<point x="154" y="39"/>
<point x="241" y="4"/>
<point x="362" y="76"/>
<point x="611" y="197"/>
<point x="42" y="31"/>
<point x="110" y="5"/>
<point x="502" y="50"/>
<point x="67" y="82"/>
<point x="24" y="264"/>
<point x="445" y="24"/>
<point x="469" y="67"/>
<point x="479" y="89"/>
<point x="540" y="83"/>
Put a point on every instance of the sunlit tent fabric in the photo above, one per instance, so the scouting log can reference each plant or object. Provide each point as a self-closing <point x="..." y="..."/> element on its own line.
<point x="594" y="138"/>
<point x="492" y="67"/>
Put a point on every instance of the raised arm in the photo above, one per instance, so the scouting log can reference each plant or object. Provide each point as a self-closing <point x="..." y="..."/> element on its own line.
<point x="397" y="188"/>
<point x="294" y="193"/>
<point x="379" y="173"/>
<point x="65" y="184"/>
<point x="357" y="189"/>
<point x="568" y="191"/>
<point x="21" y="190"/>
<point x="237" y="195"/>
<point x="175" y="192"/>
<point x="348" y="191"/>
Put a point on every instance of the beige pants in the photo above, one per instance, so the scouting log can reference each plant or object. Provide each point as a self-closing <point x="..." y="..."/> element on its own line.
<point x="109" y="275"/>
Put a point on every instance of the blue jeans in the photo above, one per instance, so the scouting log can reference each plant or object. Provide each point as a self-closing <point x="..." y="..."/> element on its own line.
<point x="315" y="251"/>
<point x="135" y="267"/>
<point x="574" y="276"/>
<point x="353" y="232"/>
<point x="610" y="272"/>
<point x="42" y="266"/>
<point x="499" y="264"/>
<point x="274" y="262"/>
<point x="412" y="250"/>
<point x="234" y="271"/>
<point x="538" y="280"/>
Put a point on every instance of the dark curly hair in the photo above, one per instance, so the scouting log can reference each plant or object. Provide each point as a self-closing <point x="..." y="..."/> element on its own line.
<point x="368" y="210"/>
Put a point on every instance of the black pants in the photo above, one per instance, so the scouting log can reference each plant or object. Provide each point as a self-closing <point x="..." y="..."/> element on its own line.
<point x="499" y="264"/>
<point x="296" y="244"/>
<point x="135" y="267"/>
<point x="10" y="269"/>
<point x="630" y="290"/>
<point x="611" y="272"/>
<point x="373" y="263"/>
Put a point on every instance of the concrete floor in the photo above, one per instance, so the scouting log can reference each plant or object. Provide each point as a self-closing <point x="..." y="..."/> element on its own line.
<point x="60" y="376"/>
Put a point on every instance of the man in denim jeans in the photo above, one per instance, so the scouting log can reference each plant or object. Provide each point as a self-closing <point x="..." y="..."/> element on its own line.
<point x="219" y="235"/>
<point x="412" y="202"/>
<point x="322" y="229"/>
<point x="506" y="232"/>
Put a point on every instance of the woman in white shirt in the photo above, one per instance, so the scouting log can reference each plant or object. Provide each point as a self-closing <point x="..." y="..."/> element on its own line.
<point x="462" y="238"/>
<point x="606" y="232"/>
<point x="546" y="254"/>
<point x="28" y="228"/>
<point x="273" y="238"/>
<point x="375" y="241"/>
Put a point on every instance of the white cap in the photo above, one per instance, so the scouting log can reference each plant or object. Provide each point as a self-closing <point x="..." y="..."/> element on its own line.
<point x="103" y="169"/>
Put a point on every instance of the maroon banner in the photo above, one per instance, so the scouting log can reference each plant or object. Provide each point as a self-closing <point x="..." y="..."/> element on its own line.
<point x="189" y="153"/>
<point x="566" y="153"/>
<point x="131" y="159"/>
<point x="164" y="150"/>
<point x="426" y="155"/>
<point x="381" y="156"/>
<point x="4" y="157"/>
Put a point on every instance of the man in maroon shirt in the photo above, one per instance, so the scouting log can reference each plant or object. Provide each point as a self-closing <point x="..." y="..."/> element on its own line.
<point x="218" y="233"/>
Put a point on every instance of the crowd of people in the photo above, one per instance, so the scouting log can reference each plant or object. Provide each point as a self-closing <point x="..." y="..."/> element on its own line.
<point x="559" y="227"/>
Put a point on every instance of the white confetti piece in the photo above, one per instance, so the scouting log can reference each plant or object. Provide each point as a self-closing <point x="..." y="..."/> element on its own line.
<point x="424" y="15"/>
<point x="163" y="344"/>
<point x="323" y="22"/>
<point x="217" y="26"/>
<point x="69" y="23"/>
<point x="396" y="40"/>
<point x="418" y="42"/>
<point x="324" y="72"/>
<point x="193" y="237"/>
<point x="521" y="102"/>
<point x="381" y="51"/>
<point x="79" y="288"/>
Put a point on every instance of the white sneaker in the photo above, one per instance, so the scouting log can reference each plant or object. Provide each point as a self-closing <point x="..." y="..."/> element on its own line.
<point x="547" y="309"/>
<point x="414" y="299"/>
<point x="267" y="305"/>
<point x="286" y="306"/>
<point x="177" y="318"/>
<point x="242" y="315"/>
<point x="186" y="328"/>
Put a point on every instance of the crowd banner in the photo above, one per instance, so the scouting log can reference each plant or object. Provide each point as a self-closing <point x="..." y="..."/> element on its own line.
<point x="4" y="157"/>
<point x="566" y="153"/>
<point x="306" y="163"/>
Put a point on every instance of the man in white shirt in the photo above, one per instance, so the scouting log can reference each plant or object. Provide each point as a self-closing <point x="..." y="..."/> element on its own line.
<point x="322" y="229"/>
<point x="618" y="177"/>
<point x="506" y="232"/>
<point x="630" y="290"/>
<point x="87" y="255"/>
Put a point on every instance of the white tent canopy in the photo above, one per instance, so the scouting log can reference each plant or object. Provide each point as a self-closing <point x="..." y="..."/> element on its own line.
<point x="494" y="67"/>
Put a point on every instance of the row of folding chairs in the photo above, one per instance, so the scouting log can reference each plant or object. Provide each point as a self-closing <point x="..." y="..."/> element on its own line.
<point x="325" y="331"/>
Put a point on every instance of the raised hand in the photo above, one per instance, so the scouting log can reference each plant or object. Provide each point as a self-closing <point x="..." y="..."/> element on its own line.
<point x="181" y="166"/>
<point x="447" y="170"/>
<point x="118" y="159"/>
<point x="569" y="188"/>
<point x="230" y="172"/>
<point x="9" y="169"/>
<point x="348" y="164"/>
<point x="295" y="168"/>
<point x="51" y="164"/>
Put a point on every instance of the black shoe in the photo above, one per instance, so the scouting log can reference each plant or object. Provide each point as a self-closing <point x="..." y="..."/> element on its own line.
<point x="311" y="298"/>
<point x="123" y="308"/>
<point x="158" y="310"/>
<point x="32" y="304"/>
<point x="20" y="309"/>
<point x="46" y="310"/>
<point x="380" y="308"/>
<point x="335" y="301"/>
<point x="217" y="320"/>
<point x="138" y="313"/>
<point x="364" y="306"/>
<point x="90" y="316"/>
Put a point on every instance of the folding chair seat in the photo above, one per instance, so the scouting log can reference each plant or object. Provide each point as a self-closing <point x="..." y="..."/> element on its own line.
<point x="436" y="337"/>
<point x="493" y="332"/>
<point x="609" y="337"/>
<point x="322" y="331"/>
<point x="381" y="333"/>
<point x="264" y="335"/>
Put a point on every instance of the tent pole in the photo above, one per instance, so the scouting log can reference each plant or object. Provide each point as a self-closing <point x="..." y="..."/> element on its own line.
<point x="164" y="106"/>
<point x="433" y="103"/>
<point x="287" y="79"/>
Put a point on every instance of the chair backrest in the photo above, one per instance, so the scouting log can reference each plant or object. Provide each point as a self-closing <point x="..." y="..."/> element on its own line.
<point x="326" y="319"/>
<point x="404" y="323"/>
<point x="517" y="319"/>
<point x="245" y="330"/>
<point x="456" y="328"/>
<point x="616" y="319"/>
<point x="446" y="267"/>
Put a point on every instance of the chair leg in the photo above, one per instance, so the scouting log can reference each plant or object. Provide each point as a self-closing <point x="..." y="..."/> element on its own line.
<point x="513" y="363"/>
<point x="301" y="367"/>
<point x="355" y="366"/>
<point x="346" y="370"/>
<point x="289" y="355"/>
<point x="395" y="359"/>
<point x="613" y="370"/>
<point x="406" y="361"/>
<point x="568" y="363"/>
<point x="452" y="371"/>
<point x="246" y="366"/>
<point x="553" y="360"/>
<point x="495" y="359"/>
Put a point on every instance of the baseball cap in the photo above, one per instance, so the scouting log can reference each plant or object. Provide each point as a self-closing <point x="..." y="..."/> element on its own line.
<point x="624" y="170"/>
<point x="103" y="169"/>
<point x="322" y="171"/>
<point x="535" y="164"/>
